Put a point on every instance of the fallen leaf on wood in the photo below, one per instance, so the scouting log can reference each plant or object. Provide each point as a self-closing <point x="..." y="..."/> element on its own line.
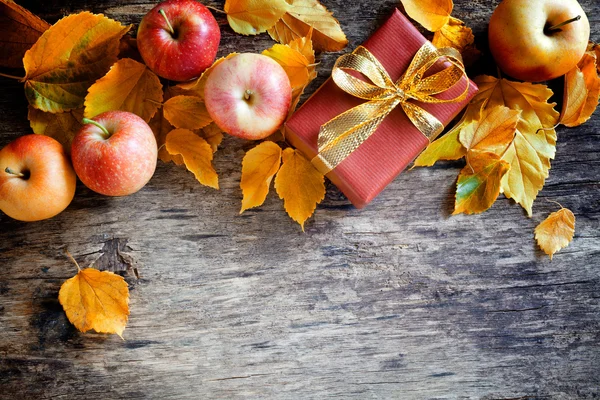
<point x="128" y="86"/>
<point x="19" y="30"/>
<point x="62" y="126"/>
<point x="97" y="300"/>
<point x="300" y="17"/>
<point x="534" y="144"/>
<point x="457" y="35"/>
<point x="161" y="128"/>
<point x="300" y="186"/>
<point x="259" y="166"/>
<point x="68" y="58"/>
<point x="188" y="112"/>
<point x="556" y="231"/>
<point x="478" y="184"/>
<point x="431" y="14"/>
<point x="251" y="17"/>
<point x="197" y="155"/>
<point x="582" y="91"/>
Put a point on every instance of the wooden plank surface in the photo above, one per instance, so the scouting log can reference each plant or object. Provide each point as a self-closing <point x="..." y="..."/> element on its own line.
<point x="399" y="300"/>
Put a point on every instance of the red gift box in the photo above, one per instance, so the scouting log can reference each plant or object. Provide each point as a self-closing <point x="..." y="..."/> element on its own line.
<point x="397" y="142"/>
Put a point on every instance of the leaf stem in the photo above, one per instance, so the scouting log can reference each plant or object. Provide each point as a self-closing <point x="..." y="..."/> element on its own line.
<point x="73" y="259"/>
<point x="91" y="121"/>
<point x="215" y="9"/>
<point x="162" y="12"/>
<point x="10" y="171"/>
<point x="556" y="28"/>
<point x="555" y="202"/>
<point x="158" y="103"/>
<point x="19" y="78"/>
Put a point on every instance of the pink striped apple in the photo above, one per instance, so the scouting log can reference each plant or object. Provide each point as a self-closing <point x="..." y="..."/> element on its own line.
<point x="115" y="153"/>
<point x="248" y="95"/>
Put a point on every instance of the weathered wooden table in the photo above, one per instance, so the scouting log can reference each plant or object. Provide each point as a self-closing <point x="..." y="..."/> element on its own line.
<point x="398" y="300"/>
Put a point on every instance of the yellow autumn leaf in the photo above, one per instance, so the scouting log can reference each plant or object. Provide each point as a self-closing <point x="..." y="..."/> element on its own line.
<point x="300" y="17"/>
<point x="305" y="47"/>
<point x="197" y="155"/>
<point x="531" y="150"/>
<point x="459" y="36"/>
<point x="68" y="58"/>
<point x="161" y="128"/>
<point x="62" y="126"/>
<point x="97" y="300"/>
<point x="187" y="112"/>
<point x="292" y="61"/>
<point x="556" y="231"/>
<point x="478" y="184"/>
<point x="19" y="30"/>
<point x="259" y="166"/>
<point x="593" y="49"/>
<point x="493" y="132"/>
<point x="196" y="87"/>
<point x="213" y="135"/>
<point x="251" y="17"/>
<point x="582" y="90"/>
<point x="431" y="14"/>
<point x="128" y="86"/>
<point x="300" y="186"/>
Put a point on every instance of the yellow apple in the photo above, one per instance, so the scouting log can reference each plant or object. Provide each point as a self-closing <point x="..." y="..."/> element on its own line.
<point x="538" y="40"/>
<point x="36" y="178"/>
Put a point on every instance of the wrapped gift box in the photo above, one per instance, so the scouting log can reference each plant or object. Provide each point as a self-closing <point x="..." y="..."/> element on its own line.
<point x="397" y="142"/>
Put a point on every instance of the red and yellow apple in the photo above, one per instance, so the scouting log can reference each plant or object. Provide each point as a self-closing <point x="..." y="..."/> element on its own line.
<point x="248" y="95"/>
<point x="36" y="178"/>
<point x="114" y="153"/>
<point x="178" y="39"/>
<point x="538" y="40"/>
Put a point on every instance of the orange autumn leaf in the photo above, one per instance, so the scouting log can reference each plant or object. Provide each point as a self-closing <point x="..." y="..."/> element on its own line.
<point x="582" y="91"/>
<point x="299" y="185"/>
<point x="251" y="17"/>
<point x="478" y="184"/>
<point x="556" y="231"/>
<point x="197" y="155"/>
<point x="187" y="112"/>
<point x="259" y="166"/>
<point x="68" y="58"/>
<point x="531" y="150"/>
<point x="196" y="87"/>
<point x="128" y="86"/>
<point x="303" y="45"/>
<point x="19" y="30"/>
<point x="62" y="126"/>
<point x="97" y="300"/>
<point x="213" y="135"/>
<point x="292" y="61"/>
<point x="431" y="14"/>
<point x="594" y="50"/>
<point x="492" y="132"/>
<point x="457" y="35"/>
<point x="161" y="128"/>
<point x="300" y="17"/>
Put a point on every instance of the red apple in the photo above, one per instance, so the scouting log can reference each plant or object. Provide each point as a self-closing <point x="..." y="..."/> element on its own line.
<point x="529" y="41"/>
<point x="178" y="39"/>
<point x="115" y="153"/>
<point x="248" y="95"/>
<point x="36" y="178"/>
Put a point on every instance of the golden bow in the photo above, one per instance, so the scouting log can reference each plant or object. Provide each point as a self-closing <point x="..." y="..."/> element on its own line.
<point x="339" y="137"/>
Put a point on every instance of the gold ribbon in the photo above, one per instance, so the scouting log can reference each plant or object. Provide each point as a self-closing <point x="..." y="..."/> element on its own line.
<point x="339" y="137"/>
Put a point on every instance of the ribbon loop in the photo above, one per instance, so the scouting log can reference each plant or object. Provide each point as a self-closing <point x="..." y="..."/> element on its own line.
<point x="342" y="135"/>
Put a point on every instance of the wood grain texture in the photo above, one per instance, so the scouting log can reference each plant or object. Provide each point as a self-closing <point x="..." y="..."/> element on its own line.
<point x="398" y="300"/>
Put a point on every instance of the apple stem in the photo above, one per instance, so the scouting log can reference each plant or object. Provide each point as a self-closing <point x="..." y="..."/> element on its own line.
<point x="91" y="121"/>
<point x="162" y="12"/>
<point x="20" y="78"/>
<point x="556" y="28"/>
<point x="10" y="171"/>
<point x="247" y="94"/>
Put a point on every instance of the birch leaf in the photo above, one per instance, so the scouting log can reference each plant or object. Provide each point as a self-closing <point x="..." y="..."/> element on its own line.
<point x="259" y="166"/>
<point x="197" y="155"/>
<point x="187" y="112"/>
<point x="251" y="17"/>
<point x="556" y="231"/>
<point x="431" y="14"/>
